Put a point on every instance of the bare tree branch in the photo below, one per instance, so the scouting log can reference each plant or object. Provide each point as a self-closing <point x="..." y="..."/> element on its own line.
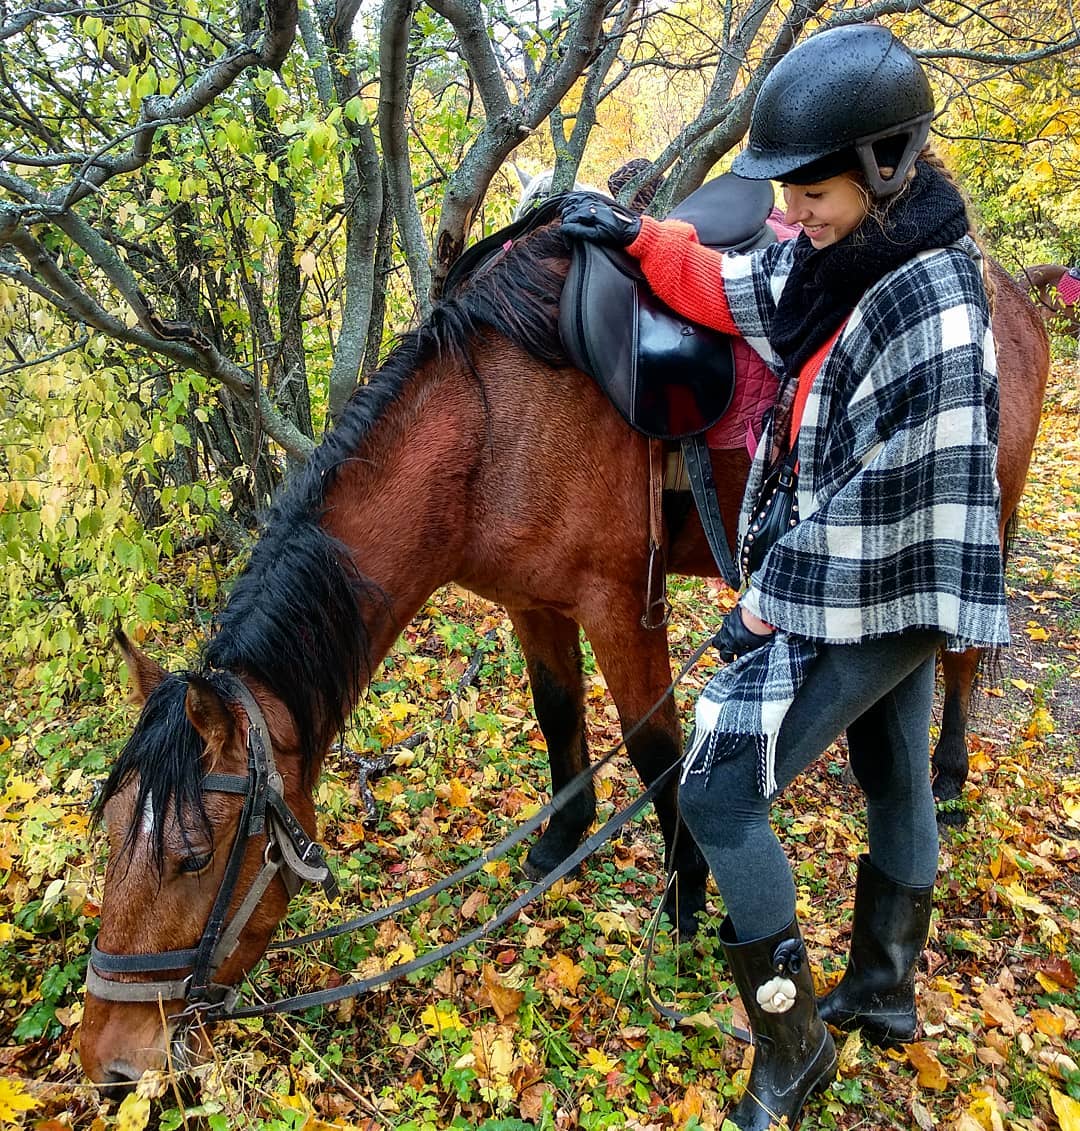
<point x="469" y="182"/>
<point x="22" y="20"/>
<point x="467" y="18"/>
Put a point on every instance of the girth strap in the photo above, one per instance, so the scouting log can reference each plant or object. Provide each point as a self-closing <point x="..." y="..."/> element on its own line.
<point x="703" y="486"/>
<point x="657" y="607"/>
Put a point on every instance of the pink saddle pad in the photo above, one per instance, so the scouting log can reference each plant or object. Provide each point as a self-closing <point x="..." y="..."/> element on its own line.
<point x="755" y="383"/>
<point x="1068" y="287"/>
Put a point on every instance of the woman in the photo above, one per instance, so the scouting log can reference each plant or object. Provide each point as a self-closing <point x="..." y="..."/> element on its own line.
<point x="885" y="546"/>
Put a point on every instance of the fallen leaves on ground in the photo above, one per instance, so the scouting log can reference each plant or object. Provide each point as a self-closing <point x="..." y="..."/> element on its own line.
<point x="546" y="1023"/>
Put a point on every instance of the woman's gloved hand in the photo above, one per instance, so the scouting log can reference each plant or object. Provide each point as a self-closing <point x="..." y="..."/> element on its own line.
<point x="589" y="217"/>
<point x="734" y="639"/>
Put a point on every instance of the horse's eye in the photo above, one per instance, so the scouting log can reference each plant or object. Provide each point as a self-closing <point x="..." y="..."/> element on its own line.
<point x="192" y="865"/>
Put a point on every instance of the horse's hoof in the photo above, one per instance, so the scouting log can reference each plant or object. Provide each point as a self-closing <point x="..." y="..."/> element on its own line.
<point x="537" y="864"/>
<point x="949" y="804"/>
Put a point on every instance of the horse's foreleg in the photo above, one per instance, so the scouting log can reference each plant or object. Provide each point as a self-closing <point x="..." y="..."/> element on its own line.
<point x="950" y="759"/>
<point x="551" y="643"/>
<point x="637" y="668"/>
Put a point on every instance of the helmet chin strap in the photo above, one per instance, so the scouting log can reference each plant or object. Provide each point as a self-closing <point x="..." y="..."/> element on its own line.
<point x="918" y="129"/>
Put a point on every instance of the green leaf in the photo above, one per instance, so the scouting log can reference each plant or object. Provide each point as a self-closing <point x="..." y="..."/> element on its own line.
<point x="355" y="110"/>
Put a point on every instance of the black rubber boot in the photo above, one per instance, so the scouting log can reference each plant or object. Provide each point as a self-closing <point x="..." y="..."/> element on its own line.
<point x="888" y="933"/>
<point x="793" y="1051"/>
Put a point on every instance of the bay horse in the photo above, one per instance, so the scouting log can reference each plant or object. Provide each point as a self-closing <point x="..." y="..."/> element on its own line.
<point x="477" y="455"/>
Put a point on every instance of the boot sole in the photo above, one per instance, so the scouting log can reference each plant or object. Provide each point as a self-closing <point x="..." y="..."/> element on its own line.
<point x="876" y="1032"/>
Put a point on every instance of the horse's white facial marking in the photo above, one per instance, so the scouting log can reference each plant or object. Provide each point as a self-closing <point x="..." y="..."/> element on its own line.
<point x="146" y="823"/>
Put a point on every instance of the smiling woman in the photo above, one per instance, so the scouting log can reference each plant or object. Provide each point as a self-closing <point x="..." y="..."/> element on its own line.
<point x="827" y="210"/>
<point x="870" y="528"/>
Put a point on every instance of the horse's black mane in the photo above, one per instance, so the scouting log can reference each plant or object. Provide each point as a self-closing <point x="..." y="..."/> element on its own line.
<point x="294" y="618"/>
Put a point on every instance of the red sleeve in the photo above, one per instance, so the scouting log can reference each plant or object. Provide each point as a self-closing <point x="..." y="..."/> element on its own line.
<point x="684" y="274"/>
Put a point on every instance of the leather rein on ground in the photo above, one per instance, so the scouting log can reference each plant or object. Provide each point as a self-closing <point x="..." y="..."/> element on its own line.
<point x="292" y="853"/>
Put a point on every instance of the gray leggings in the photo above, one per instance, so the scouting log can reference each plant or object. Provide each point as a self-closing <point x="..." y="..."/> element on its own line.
<point x="882" y="692"/>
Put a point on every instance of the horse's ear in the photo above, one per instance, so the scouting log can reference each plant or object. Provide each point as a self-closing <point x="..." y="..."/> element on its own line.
<point x="208" y="713"/>
<point x="524" y="179"/>
<point x="145" y="673"/>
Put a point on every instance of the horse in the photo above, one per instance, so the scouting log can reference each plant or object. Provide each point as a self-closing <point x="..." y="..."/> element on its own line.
<point x="1062" y="316"/>
<point x="476" y="454"/>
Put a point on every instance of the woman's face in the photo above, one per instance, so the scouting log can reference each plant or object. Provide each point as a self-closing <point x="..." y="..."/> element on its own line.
<point x="827" y="210"/>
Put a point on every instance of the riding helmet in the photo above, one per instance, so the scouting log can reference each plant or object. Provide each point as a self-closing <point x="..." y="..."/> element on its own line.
<point x="849" y="98"/>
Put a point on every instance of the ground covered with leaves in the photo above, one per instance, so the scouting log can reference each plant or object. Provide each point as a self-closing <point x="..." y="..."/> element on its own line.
<point x="546" y="1024"/>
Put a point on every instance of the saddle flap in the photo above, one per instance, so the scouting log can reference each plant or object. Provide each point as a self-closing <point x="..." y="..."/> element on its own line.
<point x="667" y="376"/>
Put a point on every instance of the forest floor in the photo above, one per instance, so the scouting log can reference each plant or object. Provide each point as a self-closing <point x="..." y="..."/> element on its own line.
<point x="546" y="1025"/>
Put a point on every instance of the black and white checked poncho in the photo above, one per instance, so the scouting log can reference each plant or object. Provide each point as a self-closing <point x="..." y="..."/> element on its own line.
<point x="898" y="495"/>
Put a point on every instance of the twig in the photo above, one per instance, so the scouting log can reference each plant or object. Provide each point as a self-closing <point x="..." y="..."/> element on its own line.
<point x="370" y="767"/>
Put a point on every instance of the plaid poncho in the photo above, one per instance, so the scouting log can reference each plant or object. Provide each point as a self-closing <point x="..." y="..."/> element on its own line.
<point x="898" y="496"/>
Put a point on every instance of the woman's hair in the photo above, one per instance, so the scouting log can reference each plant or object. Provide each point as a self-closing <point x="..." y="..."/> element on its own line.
<point x="932" y="159"/>
<point x="877" y="209"/>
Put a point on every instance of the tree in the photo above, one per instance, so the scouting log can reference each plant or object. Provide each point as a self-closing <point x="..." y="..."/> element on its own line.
<point x="125" y="126"/>
<point x="226" y="210"/>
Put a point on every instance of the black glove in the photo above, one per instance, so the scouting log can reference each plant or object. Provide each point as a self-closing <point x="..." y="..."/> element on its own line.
<point x="734" y="639"/>
<point x="586" y="216"/>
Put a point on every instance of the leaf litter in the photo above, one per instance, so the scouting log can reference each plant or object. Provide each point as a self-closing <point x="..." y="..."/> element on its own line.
<point x="546" y="1024"/>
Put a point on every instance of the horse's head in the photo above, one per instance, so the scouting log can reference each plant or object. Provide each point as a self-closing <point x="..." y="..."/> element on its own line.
<point x="194" y="826"/>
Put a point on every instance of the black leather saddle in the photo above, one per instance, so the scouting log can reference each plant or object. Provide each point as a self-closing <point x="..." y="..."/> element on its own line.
<point x="669" y="377"/>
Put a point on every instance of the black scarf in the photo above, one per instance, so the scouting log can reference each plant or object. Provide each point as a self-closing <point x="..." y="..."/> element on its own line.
<point x="824" y="285"/>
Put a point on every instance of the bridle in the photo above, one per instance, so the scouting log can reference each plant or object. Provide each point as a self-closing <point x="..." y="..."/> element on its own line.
<point x="289" y="852"/>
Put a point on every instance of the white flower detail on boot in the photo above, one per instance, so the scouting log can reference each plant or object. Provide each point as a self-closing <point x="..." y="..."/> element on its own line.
<point x="777" y="995"/>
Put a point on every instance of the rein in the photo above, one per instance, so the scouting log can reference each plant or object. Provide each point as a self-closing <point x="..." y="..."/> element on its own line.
<point x="299" y="860"/>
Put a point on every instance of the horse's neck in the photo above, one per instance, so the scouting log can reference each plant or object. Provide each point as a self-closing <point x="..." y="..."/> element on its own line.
<point x="400" y="504"/>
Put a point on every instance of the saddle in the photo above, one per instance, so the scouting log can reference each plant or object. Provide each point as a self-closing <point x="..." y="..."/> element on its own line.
<point x="668" y="377"/>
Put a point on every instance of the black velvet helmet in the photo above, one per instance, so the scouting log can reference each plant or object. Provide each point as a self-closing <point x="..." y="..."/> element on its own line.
<point x="849" y="98"/>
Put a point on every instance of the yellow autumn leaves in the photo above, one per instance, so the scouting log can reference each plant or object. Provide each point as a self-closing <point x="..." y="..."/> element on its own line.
<point x="15" y="1101"/>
